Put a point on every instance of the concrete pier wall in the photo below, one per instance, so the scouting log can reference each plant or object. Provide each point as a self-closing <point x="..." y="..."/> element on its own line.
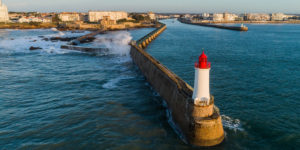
<point x="147" y="39"/>
<point x="200" y="125"/>
<point x="214" y="25"/>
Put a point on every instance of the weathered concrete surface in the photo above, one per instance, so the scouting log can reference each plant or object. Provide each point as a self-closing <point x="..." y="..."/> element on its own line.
<point x="208" y="131"/>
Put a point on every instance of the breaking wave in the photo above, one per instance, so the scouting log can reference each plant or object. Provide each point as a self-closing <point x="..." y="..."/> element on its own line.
<point x="116" y="42"/>
<point x="232" y="124"/>
<point x="19" y="41"/>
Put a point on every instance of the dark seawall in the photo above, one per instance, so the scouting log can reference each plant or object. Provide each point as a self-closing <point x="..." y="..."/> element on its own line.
<point x="200" y="125"/>
<point x="214" y="25"/>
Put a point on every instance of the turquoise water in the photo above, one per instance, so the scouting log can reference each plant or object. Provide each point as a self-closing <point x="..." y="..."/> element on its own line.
<point x="60" y="99"/>
<point x="255" y="78"/>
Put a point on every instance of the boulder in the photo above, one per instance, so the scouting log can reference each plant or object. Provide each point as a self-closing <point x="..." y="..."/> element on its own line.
<point x="45" y="39"/>
<point x="65" y="39"/>
<point x="34" y="48"/>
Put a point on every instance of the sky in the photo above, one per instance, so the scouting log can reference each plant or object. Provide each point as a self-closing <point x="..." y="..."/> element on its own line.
<point x="159" y="6"/>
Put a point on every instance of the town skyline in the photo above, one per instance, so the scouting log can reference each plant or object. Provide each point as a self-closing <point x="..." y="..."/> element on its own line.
<point x="168" y="6"/>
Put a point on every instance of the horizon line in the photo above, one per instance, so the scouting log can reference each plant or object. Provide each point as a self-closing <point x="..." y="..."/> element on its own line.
<point x="11" y="11"/>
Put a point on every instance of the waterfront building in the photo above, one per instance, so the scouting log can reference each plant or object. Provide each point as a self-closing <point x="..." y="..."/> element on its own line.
<point x="205" y="15"/>
<point x="187" y="16"/>
<point x="162" y="16"/>
<point x="152" y="15"/>
<point x="290" y="17"/>
<point x="47" y="20"/>
<point x="84" y="17"/>
<point x="218" y="17"/>
<point x="222" y="17"/>
<point x="106" y="22"/>
<point x="14" y="16"/>
<point x="34" y="19"/>
<point x="278" y="17"/>
<point x="230" y="17"/>
<point x="175" y="16"/>
<point x="69" y="16"/>
<point x="3" y="13"/>
<point x="257" y="17"/>
<point x="96" y="16"/>
<point x="24" y="20"/>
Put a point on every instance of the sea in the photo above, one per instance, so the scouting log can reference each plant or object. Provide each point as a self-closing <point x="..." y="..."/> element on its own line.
<point x="62" y="99"/>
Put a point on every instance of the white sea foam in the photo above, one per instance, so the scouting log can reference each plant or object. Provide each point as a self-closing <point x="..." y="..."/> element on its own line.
<point x="113" y="83"/>
<point x="61" y="33"/>
<point x="54" y="29"/>
<point x="57" y="33"/>
<point x="21" y="44"/>
<point x="116" y="42"/>
<point x="232" y="124"/>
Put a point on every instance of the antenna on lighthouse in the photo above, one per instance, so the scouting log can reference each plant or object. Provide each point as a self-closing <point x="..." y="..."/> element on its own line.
<point x="201" y="93"/>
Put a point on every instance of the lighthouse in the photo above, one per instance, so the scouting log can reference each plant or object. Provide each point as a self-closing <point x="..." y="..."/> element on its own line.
<point x="201" y="95"/>
<point x="209" y="129"/>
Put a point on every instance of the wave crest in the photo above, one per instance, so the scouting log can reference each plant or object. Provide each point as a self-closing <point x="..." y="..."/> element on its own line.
<point x="232" y="124"/>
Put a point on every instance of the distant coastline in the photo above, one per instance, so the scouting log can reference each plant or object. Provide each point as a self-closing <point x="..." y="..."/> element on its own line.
<point x="253" y="22"/>
<point x="27" y="26"/>
<point x="52" y="25"/>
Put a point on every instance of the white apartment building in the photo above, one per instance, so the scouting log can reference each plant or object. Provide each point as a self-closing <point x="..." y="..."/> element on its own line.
<point x="218" y="17"/>
<point x="34" y="19"/>
<point x="258" y="17"/>
<point x="96" y="16"/>
<point x="230" y="17"/>
<point x="152" y="15"/>
<point x="278" y="17"/>
<point x="69" y="16"/>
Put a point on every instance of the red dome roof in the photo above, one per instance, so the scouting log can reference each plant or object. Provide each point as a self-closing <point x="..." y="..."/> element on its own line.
<point x="202" y="64"/>
<point x="202" y="56"/>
